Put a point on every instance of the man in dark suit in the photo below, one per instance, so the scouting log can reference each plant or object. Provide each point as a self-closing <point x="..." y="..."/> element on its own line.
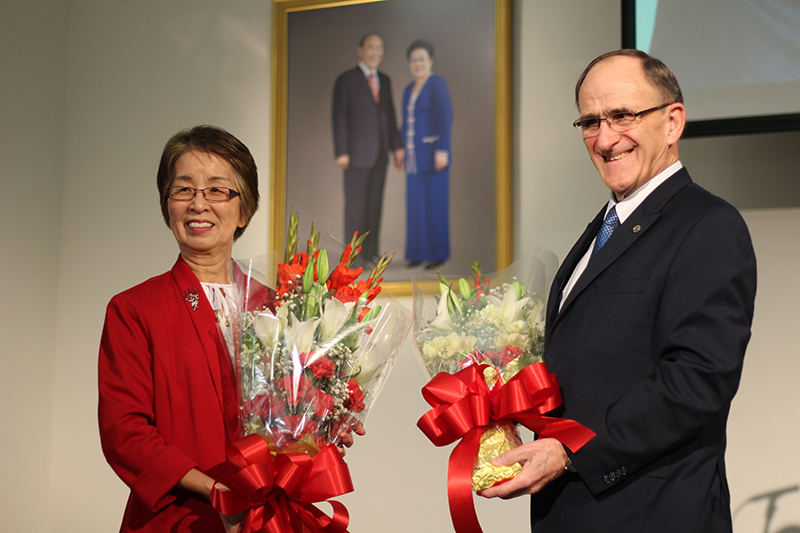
<point x="364" y="132"/>
<point x="646" y="329"/>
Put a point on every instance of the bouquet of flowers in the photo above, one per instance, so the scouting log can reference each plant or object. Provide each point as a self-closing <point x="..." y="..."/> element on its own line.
<point x="500" y="326"/>
<point x="484" y="350"/>
<point x="312" y="368"/>
<point x="311" y="363"/>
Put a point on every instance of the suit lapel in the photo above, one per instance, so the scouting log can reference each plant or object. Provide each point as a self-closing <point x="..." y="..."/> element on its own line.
<point x="569" y="264"/>
<point x="202" y="317"/>
<point x="636" y="225"/>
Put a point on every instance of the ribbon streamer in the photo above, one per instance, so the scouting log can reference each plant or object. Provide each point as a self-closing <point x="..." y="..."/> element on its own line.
<point x="463" y="406"/>
<point x="280" y="492"/>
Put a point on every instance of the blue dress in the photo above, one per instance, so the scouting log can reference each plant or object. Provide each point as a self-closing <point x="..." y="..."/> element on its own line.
<point x="426" y="130"/>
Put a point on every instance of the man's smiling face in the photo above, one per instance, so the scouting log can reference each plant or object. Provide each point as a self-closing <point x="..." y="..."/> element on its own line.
<point x="628" y="159"/>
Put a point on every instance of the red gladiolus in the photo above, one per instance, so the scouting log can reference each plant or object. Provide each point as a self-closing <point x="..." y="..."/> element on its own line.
<point x="289" y="275"/>
<point x="342" y="277"/>
<point x="350" y="293"/>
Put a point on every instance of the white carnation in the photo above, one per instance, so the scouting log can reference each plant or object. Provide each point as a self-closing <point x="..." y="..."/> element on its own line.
<point x="449" y="346"/>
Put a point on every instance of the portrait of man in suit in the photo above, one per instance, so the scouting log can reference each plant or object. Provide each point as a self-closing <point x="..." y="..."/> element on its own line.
<point x="365" y="133"/>
<point x="648" y="320"/>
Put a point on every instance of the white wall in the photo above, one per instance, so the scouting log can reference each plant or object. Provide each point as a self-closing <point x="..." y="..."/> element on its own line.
<point x="31" y="160"/>
<point x="90" y="92"/>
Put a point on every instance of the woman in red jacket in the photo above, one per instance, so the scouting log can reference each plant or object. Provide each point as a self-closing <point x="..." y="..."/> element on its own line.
<point x="168" y="401"/>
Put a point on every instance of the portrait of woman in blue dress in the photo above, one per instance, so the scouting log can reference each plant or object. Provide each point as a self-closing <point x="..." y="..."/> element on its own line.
<point x="427" y="119"/>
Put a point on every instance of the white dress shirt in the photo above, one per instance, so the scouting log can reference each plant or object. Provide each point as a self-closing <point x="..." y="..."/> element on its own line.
<point x="624" y="209"/>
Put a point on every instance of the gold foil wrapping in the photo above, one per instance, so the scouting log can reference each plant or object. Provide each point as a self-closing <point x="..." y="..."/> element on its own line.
<point x="494" y="441"/>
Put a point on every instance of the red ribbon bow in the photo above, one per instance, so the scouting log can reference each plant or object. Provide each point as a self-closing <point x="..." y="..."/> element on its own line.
<point x="280" y="491"/>
<point x="463" y="406"/>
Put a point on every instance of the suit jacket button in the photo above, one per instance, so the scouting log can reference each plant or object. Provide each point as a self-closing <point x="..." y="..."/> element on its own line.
<point x="623" y="470"/>
<point x="606" y="480"/>
<point x="637" y="228"/>
<point x="612" y="476"/>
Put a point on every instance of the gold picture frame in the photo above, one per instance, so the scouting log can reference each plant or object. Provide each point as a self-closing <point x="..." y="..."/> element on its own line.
<point x="502" y="220"/>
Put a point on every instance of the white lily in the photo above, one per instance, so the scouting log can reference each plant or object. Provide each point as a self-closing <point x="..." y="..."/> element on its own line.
<point x="300" y="334"/>
<point x="512" y="307"/>
<point x="442" y="319"/>
<point x="536" y="317"/>
<point x="269" y="327"/>
<point x="334" y="317"/>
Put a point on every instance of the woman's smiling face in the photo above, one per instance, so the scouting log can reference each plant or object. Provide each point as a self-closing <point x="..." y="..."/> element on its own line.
<point x="200" y="227"/>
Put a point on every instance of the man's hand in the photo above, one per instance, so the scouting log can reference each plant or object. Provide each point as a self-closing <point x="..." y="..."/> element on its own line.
<point x="399" y="159"/>
<point x="542" y="461"/>
<point x="343" y="161"/>
<point x="346" y="437"/>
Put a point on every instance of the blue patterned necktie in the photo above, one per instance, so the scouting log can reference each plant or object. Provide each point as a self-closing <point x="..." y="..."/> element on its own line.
<point x="609" y="225"/>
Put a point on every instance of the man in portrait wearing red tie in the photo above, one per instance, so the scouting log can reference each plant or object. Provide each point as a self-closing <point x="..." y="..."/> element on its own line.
<point x="648" y="321"/>
<point x="364" y="132"/>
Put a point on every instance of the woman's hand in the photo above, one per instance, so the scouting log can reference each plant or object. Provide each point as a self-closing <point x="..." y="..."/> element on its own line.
<point x="399" y="159"/>
<point x="441" y="160"/>
<point x="196" y="481"/>
<point x="232" y="523"/>
<point x="347" y="439"/>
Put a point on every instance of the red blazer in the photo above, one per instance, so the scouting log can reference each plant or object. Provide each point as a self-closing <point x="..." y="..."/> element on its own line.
<point x="167" y="400"/>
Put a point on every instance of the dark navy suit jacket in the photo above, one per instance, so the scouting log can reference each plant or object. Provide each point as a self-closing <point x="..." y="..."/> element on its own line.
<point x="648" y="349"/>
<point x="363" y="128"/>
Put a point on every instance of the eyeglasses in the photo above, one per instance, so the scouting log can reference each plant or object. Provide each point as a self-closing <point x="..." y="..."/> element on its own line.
<point x="211" y="194"/>
<point x="618" y="122"/>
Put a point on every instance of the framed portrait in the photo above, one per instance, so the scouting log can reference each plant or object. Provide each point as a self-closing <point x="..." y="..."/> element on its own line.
<point x="316" y="42"/>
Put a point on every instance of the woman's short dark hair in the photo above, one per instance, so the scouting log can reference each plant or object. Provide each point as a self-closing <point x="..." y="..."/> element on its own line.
<point x="655" y="71"/>
<point x="419" y="43"/>
<point x="215" y="141"/>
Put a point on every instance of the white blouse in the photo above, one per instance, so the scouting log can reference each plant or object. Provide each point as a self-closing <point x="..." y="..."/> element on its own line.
<point x="222" y="297"/>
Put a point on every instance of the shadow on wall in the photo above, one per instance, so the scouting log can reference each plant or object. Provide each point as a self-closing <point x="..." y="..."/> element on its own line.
<point x="770" y="499"/>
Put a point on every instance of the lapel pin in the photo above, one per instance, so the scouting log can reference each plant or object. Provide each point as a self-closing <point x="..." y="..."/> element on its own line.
<point x="192" y="296"/>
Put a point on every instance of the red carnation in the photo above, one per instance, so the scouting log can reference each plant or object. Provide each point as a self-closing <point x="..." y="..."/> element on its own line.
<point x="323" y="404"/>
<point x="297" y="391"/>
<point x="355" y="400"/>
<point x="319" y="365"/>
